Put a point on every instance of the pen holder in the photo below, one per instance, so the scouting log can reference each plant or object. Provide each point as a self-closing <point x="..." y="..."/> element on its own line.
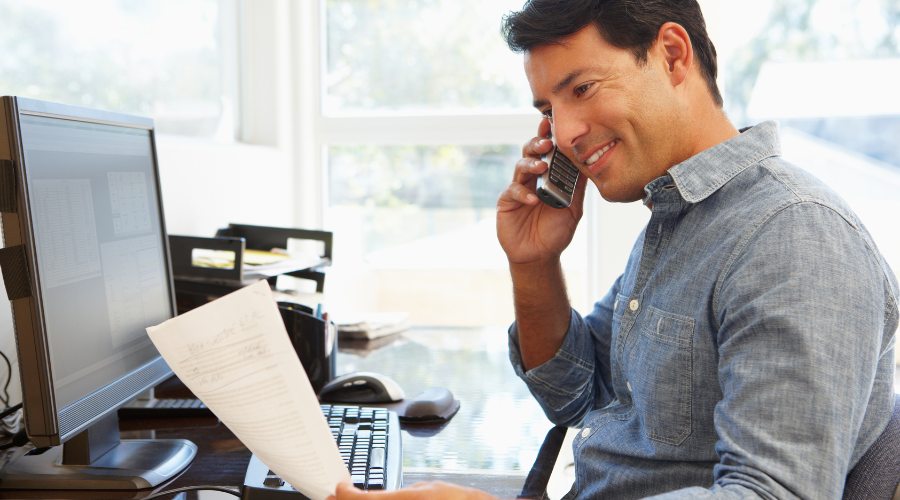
<point x="315" y="341"/>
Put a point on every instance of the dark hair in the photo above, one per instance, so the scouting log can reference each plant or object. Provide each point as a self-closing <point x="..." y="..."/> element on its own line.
<point x="627" y="24"/>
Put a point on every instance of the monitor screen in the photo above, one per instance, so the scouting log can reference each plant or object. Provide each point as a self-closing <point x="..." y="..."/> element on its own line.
<point x="85" y="265"/>
<point x="99" y="250"/>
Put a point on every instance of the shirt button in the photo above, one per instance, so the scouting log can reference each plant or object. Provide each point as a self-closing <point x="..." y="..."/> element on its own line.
<point x="633" y="305"/>
<point x="616" y="305"/>
<point x="628" y="384"/>
<point x="585" y="432"/>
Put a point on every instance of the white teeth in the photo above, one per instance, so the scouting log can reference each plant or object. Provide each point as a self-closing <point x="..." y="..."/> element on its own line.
<point x="599" y="153"/>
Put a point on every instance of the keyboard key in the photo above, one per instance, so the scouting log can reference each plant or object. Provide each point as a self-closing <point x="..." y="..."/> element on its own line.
<point x="375" y="484"/>
<point x="358" y="480"/>
<point x="273" y="481"/>
<point x="376" y="459"/>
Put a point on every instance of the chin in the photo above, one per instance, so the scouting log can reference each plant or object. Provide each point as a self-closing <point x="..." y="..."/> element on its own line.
<point x="616" y="194"/>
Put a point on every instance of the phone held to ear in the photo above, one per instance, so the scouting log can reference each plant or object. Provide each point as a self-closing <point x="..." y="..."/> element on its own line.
<point x="557" y="184"/>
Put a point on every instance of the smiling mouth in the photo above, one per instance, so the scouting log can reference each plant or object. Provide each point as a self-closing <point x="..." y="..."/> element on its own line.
<point x="596" y="156"/>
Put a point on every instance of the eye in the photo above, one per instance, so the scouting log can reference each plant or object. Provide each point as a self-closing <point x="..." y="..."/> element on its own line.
<point x="582" y="89"/>
<point x="548" y="114"/>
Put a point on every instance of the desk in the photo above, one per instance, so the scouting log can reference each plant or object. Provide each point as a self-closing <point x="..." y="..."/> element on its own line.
<point x="493" y="440"/>
<point x="490" y="444"/>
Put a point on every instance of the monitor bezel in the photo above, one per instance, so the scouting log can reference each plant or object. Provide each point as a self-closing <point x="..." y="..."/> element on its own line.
<point x="46" y="424"/>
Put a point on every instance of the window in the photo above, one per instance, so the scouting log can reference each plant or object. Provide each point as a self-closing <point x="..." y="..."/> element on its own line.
<point x="165" y="59"/>
<point x="424" y="113"/>
<point x="828" y="76"/>
<point x="422" y="108"/>
<point x="425" y="55"/>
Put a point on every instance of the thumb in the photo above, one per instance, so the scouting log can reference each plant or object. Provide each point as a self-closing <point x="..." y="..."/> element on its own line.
<point x="346" y="491"/>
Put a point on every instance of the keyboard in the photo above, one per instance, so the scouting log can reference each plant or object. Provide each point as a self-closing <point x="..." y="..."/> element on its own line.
<point x="165" y="408"/>
<point x="369" y="442"/>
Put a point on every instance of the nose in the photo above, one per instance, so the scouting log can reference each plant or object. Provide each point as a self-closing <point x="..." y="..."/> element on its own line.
<point x="568" y="127"/>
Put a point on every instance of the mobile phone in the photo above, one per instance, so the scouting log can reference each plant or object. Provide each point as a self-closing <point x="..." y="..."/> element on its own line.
<point x="557" y="184"/>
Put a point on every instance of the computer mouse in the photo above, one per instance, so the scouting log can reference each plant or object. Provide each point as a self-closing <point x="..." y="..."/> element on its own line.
<point x="362" y="388"/>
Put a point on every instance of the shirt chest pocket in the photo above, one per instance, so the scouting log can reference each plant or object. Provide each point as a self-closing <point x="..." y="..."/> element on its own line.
<point x="660" y="371"/>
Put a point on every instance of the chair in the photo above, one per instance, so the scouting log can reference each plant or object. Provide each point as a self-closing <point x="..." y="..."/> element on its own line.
<point x="535" y="487"/>
<point x="875" y="477"/>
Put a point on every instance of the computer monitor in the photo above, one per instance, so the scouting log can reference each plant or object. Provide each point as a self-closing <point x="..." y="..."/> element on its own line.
<point x="86" y="268"/>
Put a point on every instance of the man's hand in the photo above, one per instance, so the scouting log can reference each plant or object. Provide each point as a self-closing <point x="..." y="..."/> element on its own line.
<point x="533" y="235"/>
<point x="437" y="490"/>
<point x="529" y="230"/>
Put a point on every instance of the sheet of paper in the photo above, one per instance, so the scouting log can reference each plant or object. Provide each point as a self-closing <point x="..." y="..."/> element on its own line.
<point x="234" y="354"/>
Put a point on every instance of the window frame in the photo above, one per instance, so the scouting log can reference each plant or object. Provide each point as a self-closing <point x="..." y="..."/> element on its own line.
<point x="317" y="131"/>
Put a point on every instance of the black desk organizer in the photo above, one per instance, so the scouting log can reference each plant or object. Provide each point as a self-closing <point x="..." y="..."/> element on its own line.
<point x="195" y="286"/>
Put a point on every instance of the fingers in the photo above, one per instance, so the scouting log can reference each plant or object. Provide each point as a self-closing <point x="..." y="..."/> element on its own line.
<point x="544" y="128"/>
<point x="527" y="169"/>
<point x="516" y="195"/>
<point x="521" y="191"/>
<point x="536" y="147"/>
<point x="346" y="491"/>
<point x="541" y="144"/>
<point x="436" y="490"/>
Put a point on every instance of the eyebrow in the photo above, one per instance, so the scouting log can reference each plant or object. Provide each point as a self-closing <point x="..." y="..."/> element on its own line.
<point x="538" y="103"/>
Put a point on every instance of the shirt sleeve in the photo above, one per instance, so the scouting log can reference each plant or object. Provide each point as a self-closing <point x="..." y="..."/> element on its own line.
<point x="806" y="355"/>
<point x="577" y="379"/>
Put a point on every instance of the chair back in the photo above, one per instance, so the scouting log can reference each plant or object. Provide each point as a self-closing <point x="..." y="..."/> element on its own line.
<point x="535" y="487"/>
<point x="877" y="475"/>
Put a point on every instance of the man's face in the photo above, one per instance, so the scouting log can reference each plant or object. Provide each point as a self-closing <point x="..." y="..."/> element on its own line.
<point x="616" y="118"/>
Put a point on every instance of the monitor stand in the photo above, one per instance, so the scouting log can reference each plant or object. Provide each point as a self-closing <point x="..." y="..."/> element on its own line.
<point x="97" y="459"/>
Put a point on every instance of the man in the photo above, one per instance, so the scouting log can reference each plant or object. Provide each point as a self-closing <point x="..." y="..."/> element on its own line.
<point x="747" y="351"/>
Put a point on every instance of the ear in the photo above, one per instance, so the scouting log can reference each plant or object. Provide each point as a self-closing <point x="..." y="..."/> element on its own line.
<point x="674" y="46"/>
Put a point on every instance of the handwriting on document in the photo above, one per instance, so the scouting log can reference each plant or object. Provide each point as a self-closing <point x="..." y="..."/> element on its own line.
<point x="234" y="354"/>
<point x="248" y="320"/>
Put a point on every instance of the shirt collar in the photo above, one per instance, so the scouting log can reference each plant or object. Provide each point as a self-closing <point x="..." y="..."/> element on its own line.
<point x="704" y="173"/>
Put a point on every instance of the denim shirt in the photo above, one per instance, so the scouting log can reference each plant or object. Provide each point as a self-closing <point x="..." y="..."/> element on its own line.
<point x="746" y="352"/>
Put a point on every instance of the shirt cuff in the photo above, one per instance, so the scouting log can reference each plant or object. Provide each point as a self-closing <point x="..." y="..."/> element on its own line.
<point x="564" y="377"/>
